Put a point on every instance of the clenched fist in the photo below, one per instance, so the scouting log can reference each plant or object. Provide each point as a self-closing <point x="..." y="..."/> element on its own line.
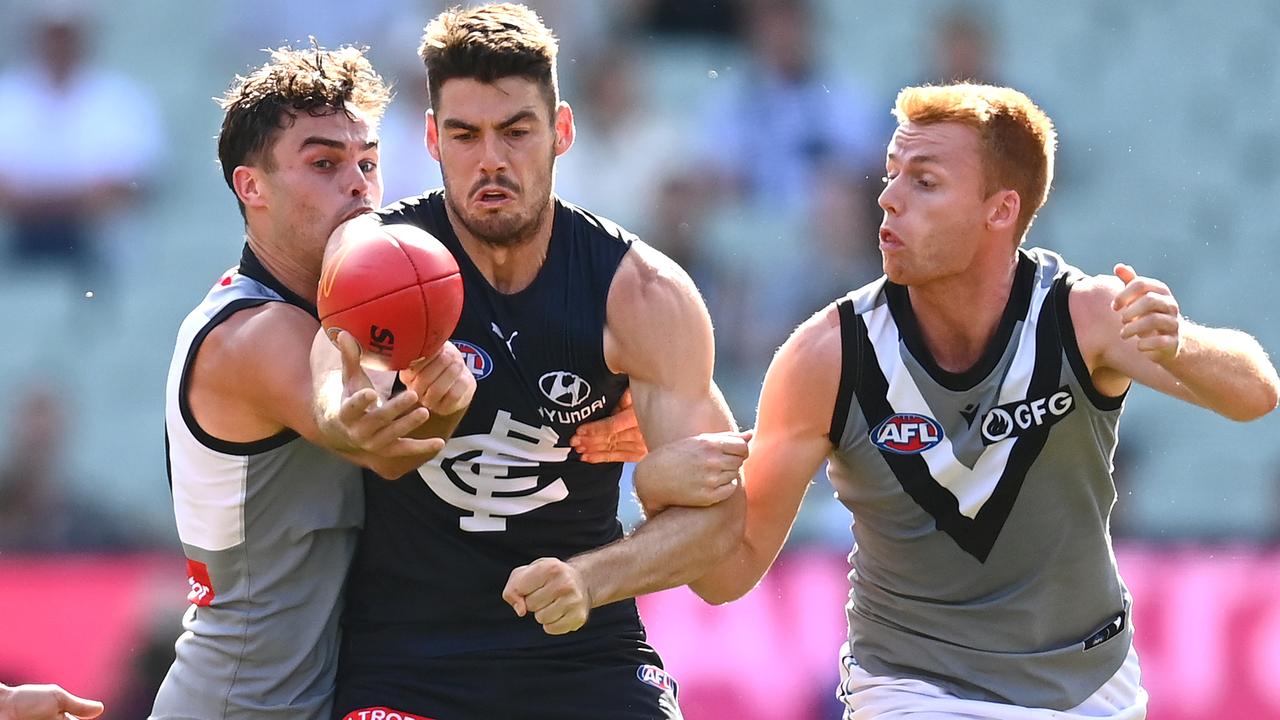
<point x="1150" y="313"/>
<point x="692" y="472"/>
<point x="553" y="590"/>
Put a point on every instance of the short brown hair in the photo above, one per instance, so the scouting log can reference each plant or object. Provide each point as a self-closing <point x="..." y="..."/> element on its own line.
<point x="314" y="81"/>
<point x="1017" y="137"/>
<point x="488" y="43"/>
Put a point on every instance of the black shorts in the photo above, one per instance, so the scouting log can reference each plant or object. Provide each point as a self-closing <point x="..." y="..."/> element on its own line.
<point x="597" y="678"/>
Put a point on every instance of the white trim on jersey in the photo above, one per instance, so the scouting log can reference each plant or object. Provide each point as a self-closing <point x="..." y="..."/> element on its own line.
<point x="971" y="487"/>
<point x="209" y="487"/>
<point x="209" y="510"/>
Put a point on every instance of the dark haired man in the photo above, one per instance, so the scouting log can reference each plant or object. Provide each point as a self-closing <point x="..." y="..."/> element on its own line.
<point x="494" y="581"/>
<point x="267" y="512"/>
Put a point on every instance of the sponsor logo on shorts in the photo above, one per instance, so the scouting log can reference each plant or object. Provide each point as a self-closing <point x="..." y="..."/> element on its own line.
<point x="201" y="586"/>
<point x="907" y="433"/>
<point x="477" y="360"/>
<point x="382" y="713"/>
<point x="656" y="676"/>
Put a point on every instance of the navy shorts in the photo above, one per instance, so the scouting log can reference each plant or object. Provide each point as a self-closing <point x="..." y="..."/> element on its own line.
<point x="600" y="677"/>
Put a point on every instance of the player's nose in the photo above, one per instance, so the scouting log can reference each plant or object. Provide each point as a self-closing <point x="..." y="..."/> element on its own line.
<point x="888" y="199"/>
<point x="360" y="183"/>
<point x="493" y="157"/>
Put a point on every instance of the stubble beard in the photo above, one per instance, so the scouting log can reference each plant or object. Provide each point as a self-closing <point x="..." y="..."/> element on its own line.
<point x="504" y="229"/>
<point x="501" y="229"/>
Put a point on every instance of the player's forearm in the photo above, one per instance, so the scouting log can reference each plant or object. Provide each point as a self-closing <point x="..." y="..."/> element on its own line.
<point x="326" y="399"/>
<point x="439" y="426"/>
<point x="671" y="549"/>
<point x="1228" y="371"/>
<point x="735" y="575"/>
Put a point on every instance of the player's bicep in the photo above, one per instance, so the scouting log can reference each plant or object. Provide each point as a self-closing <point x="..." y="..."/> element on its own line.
<point x="659" y="333"/>
<point x="280" y="385"/>
<point x="791" y="435"/>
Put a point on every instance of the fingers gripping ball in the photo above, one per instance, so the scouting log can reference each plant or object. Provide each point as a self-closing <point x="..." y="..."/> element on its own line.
<point x="395" y="288"/>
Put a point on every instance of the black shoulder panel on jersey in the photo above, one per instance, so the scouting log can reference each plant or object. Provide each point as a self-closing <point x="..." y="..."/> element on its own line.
<point x="1060" y="297"/>
<point x="184" y="403"/>
<point x="852" y="335"/>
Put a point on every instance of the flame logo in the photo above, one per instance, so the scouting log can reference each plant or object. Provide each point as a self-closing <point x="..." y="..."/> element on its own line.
<point x="997" y="425"/>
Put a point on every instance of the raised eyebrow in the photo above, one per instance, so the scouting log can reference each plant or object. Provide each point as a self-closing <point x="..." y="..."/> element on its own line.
<point x="914" y="159"/>
<point x="518" y="117"/>
<point x="335" y="144"/>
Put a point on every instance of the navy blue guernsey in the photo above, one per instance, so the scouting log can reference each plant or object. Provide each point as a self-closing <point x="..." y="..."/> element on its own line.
<point x="440" y="543"/>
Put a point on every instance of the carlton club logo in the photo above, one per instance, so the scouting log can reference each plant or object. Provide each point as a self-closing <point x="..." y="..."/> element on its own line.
<point x="907" y="433"/>
<point x="564" y="388"/>
<point x="476" y="359"/>
<point x="1016" y="419"/>
<point x="495" y="475"/>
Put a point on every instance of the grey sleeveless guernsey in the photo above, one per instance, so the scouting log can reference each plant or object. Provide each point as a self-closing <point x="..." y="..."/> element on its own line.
<point x="269" y="529"/>
<point x="982" y="560"/>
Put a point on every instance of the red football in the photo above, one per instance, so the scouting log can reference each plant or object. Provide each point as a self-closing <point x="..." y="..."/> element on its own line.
<point x="395" y="288"/>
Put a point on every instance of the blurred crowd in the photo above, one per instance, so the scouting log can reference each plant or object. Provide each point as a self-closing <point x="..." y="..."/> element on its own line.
<point x="759" y="173"/>
<point x="763" y="186"/>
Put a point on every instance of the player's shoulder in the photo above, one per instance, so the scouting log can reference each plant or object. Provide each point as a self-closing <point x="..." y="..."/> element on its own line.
<point x="425" y="211"/>
<point x="594" y="225"/>
<point x="258" y="336"/>
<point x="816" y="342"/>
<point x="802" y="384"/>
<point x="1091" y="297"/>
<point x="646" y="276"/>
<point x="651" y="300"/>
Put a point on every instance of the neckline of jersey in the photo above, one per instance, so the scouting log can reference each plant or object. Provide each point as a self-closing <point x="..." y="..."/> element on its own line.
<point x="1015" y="309"/>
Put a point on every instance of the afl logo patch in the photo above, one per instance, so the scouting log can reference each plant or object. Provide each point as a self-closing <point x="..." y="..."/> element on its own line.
<point x="907" y="433"/>
<point x="655" y="676"/>
<point x="564" y="388"/>
<point x="477" y="360"/>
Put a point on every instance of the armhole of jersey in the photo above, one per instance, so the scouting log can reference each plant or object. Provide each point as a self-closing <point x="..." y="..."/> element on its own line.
<point x="850" y="365"/>
<point x="602" y="314"/>
<point x="184" y="405"/>
<point x="1071" y="347"/>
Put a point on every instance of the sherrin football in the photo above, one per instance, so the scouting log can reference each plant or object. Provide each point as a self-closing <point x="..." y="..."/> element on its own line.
<point x="395" y="288"/>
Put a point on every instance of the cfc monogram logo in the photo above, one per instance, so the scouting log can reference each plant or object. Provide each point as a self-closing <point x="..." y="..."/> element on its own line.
<point x="495" y="475"/>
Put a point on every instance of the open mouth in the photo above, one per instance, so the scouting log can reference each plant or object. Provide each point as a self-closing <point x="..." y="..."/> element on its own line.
<point x="889" y="240"/>
<point x="492" y="196"/>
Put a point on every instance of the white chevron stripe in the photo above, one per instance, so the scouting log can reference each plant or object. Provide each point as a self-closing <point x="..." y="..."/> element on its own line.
<point x="971" y="488"/>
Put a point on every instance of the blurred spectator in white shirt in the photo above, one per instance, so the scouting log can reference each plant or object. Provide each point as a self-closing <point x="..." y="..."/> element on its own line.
<point x="77" y="143"/>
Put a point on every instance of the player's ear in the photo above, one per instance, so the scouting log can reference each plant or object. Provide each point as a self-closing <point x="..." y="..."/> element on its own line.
<point x="433" y="135"/>
<point x="1002" y="209"/>
<point x="247" y="182"/>
<point x="564" y="128"/>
